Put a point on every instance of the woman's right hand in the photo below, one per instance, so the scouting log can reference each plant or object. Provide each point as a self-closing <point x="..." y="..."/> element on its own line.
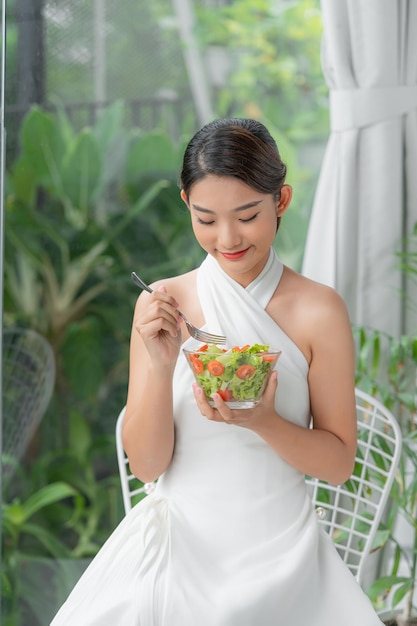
<point x="158" y="322"/>
<point x="148" y="426"/>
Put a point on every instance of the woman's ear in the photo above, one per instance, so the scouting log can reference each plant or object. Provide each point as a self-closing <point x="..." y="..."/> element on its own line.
<point x="184" y="196"/>
<point x="284" y="200"/>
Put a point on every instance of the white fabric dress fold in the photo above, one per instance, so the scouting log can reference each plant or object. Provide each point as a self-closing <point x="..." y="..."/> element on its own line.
<point x="229" y="537"/>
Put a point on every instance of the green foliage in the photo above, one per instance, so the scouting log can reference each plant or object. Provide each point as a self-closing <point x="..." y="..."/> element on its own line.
<point x="48" y="527"/>
<point x="275" y="56"/>
<point x="23" y="534"/>
<point x="273" y="51"/>
<point x="387" y="368"/>
<point x="82" y="210"/>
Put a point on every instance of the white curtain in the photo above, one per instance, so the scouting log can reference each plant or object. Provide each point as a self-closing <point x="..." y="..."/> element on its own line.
<point x="366" y="198"/>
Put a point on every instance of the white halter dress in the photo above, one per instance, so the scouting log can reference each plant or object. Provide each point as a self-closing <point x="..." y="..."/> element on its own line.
<point x="229" y="536"/>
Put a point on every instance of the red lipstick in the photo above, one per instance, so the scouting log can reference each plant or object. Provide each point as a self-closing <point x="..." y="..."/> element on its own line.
<point x="234" y="255"/>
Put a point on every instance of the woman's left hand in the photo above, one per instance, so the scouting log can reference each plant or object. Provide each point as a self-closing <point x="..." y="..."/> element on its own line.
<point x="248" y="418"/>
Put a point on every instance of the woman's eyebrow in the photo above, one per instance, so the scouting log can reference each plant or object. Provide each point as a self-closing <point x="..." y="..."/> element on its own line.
<point x="250" y="205"/>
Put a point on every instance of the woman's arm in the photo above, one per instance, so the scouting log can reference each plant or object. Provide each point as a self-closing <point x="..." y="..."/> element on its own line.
<point x="148" y="426"/>
<point x="326" y="451"/>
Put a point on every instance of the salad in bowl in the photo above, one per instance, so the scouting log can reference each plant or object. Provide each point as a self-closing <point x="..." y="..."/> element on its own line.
<point x="239" y="374"/>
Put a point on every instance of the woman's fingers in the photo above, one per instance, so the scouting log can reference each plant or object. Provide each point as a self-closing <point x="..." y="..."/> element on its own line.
<point x="166" y="297"/>
<point x="159" y="314"/>
<point x="240" y="417"/>
<point x="219" y="413"/>
<point x="270" y="389"/>
<point x="205" y="409"/>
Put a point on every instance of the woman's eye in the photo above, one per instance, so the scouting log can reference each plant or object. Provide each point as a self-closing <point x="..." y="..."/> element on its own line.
<point x="249" y="219"/>
<point x="200" y="221"/>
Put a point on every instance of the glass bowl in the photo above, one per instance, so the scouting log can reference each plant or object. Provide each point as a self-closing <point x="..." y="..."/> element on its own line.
<point x="239" y="374"/>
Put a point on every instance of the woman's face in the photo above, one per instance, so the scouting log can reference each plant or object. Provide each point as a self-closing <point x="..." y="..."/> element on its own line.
<point x="235" y="223"/>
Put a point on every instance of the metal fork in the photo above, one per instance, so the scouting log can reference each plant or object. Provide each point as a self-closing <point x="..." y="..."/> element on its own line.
<point x="197" y="333"/>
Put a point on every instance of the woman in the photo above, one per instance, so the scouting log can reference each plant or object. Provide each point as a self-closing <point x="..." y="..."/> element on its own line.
<point x="229" y="536"/>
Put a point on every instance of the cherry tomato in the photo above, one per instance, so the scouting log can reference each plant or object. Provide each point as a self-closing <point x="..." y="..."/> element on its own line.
<point x="245" y="371"/>
<point x="237" y="349"/>
<point x="215" y="368"/>
<point x="269" y="358"/>
<point x="198" y="367"/>
<point x="225" y="394"/>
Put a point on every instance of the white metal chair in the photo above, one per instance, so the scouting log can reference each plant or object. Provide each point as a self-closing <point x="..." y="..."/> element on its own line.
<point x="133" y="489"/>
<point x="28" y="382"/>
<point x="351" y="513"/>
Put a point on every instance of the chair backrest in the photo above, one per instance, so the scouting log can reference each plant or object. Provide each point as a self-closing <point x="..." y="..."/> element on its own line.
<point x="28" y="381"/>
<point x="351" y="513"/>
<point x="133" y="489"/>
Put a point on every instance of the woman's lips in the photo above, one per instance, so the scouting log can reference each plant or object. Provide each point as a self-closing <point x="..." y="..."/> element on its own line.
<point x="234" y="255"/>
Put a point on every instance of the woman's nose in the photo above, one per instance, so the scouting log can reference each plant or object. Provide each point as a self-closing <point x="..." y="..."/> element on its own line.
<point x="228" y="237"/>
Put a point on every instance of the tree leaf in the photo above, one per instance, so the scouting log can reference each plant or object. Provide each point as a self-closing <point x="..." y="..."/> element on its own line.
<point x="109" y="125"/>
<point x="45" y="496"/>
<point x="43" y="147"/>
<point x="81" y="170"/>
<point x="82" y="355"/>
<point x="151" y="153"/>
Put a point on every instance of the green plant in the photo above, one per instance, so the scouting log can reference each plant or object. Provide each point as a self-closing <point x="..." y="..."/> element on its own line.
<point x="82" y="210"/>
<point x="60" y="525"/>
<point x="288" y="95"/>
<point x="387" y="369"/>
<point x="283" y="40"/>
<point x="22" y="536"/>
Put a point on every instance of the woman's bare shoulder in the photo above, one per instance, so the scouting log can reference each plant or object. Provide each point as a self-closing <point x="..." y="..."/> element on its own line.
<point x="305" y="292"/>
<point x="309" y="312"/>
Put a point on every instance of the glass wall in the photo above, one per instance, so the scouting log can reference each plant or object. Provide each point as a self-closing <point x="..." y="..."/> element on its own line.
<point x="100" y="99"/>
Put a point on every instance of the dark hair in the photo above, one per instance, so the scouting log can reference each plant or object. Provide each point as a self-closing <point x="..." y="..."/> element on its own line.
<point x="238" y="147"/>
